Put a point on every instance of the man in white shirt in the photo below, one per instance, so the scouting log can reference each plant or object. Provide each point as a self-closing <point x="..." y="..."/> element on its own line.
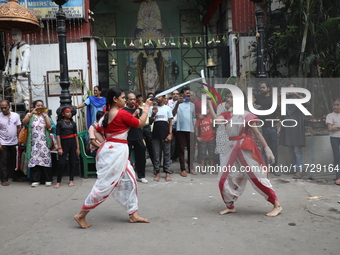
<point x="161" y="118"/>
<point x="9" y="130"/>
<point x="171" y="102"/>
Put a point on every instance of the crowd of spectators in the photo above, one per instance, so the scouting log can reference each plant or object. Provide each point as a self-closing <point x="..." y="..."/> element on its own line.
<point x="175" y="130"/>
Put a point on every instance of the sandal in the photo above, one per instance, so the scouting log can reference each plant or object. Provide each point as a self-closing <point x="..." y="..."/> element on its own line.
<point x="183" y="173"/>
<point x="5" y="183"/>
<point x="337" y="182"/>
<point x="297" y="176"/>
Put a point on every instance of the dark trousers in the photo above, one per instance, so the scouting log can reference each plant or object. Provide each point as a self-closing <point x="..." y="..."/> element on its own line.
<point x="7" y="162"/>
<point x="270" y="135"/>
<point x="69" y="146"/>
<point x="139" y="149"/>
<point x="41" y="174"/>
<point x="148" y="140"/>
<point x="161" y="147"/>
<point x="174" y="142"/>
<point x="335" y="143"/>
<point x="185" y="139"/>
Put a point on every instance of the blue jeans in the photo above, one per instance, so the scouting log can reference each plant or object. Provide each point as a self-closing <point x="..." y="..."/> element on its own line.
<point x="335" y="143"/>
<point x="270" y="135"/>
<point x="296" y="158"/>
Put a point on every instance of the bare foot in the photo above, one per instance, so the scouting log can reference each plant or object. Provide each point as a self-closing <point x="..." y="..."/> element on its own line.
<point x="80" y="219"/>
<point x="337" y="181"/>
<point x="71" y="184"/>
<point x="136" y="218"/>
<point x="168" y="178"/>
<point x="276" y="210"/>
<point x="193" y="172"/>
<point x="57" y="185"/>
<point x="227" y="210"/>
<point x="157" y="177"/>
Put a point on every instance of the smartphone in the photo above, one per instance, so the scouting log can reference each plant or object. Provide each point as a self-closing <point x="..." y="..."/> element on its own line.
<point x="186" y="99"/>
<point x="42" y="109"/>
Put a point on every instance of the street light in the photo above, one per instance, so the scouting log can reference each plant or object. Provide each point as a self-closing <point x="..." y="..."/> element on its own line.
<point x="261" y="68"/>
<point x="65" y="96"/>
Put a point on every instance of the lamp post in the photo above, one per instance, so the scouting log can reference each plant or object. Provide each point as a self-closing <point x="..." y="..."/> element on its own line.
<point x="65" y="96"/>
<point x="261" y="68"/>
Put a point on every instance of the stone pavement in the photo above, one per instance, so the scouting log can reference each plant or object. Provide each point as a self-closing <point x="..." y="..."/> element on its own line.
<point x="184" y="219"/>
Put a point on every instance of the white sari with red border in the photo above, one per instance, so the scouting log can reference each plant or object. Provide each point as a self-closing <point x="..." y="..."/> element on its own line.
<point x="242" y="161"/>
<point x="116" y="176"/>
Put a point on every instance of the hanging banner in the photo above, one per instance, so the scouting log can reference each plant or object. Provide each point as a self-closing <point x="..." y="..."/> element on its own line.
<point x="47" y="9"/>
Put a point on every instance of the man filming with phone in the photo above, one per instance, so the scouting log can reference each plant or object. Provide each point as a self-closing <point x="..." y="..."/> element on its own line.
<point x="185" y="111"/>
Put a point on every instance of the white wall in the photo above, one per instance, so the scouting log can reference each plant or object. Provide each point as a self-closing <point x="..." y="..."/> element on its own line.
<point x="276" y="4"/>
<point x="232" y="53"/>
<point x="45" y="58"/>
<point x="246" y="61"/>
<point x="94" y="61"/>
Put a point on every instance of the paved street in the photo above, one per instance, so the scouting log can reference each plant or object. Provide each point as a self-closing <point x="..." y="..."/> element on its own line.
<point x="184" y="219"/>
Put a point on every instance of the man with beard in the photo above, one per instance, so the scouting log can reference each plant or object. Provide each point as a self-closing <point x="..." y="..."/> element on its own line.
<point x="184" y="109"/>
<point x="269" y="129"/>
<point x="146" y="130"/>
<point x="135" y="139"/>
<point x="9" y="130"/>
<point x="293" y="136"/>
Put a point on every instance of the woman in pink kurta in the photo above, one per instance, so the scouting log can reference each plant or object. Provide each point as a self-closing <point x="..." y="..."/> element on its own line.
<point x="114" y="171"/>
<point x="241" y="160"/>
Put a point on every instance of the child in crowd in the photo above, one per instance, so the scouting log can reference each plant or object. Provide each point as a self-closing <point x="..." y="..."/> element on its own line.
<point x="333" y="123"/>
<point x="206" y="137"/>
<point x="67" y="145"/>
<point x="94" y="144"/>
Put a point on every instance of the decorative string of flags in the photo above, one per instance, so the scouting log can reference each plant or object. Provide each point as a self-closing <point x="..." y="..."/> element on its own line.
<point x="179" y="42"/>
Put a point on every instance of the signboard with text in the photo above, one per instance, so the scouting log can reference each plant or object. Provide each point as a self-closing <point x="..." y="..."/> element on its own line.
<point x="47" y="9"/>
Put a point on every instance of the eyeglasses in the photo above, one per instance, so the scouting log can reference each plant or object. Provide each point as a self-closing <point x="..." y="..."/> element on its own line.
<point x="175" y="93"/>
